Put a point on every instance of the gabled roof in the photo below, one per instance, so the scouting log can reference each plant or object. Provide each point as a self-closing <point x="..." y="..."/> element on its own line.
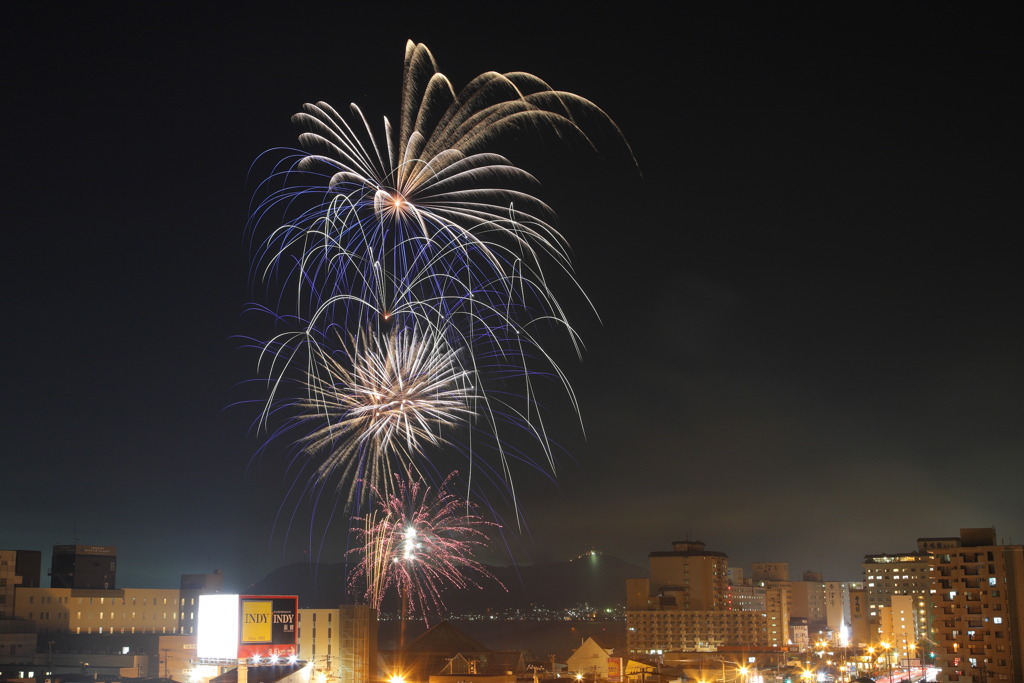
<point x="591" y="645"/>
<point x="507" y="660"/>
<point x="444" y="639"/>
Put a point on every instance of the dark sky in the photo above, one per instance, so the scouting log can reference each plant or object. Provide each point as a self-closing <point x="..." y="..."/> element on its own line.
<point x="810" y="298"/>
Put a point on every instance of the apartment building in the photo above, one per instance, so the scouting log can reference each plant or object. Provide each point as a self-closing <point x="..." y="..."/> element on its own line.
<point x="979" y="615"/>
<point x="687" y="605"/>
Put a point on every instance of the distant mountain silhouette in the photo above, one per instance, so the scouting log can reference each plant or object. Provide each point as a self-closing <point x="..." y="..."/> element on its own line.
<point x="598" y="580"/>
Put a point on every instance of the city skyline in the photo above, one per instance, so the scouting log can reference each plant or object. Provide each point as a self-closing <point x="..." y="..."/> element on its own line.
<point x="809" y="337"/>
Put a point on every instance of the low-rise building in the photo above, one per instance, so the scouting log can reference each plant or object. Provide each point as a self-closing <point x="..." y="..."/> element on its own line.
<point x="85" y="611"/>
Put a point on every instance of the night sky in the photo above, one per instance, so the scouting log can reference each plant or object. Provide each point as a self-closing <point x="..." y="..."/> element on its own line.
<point x="810" y="333"/>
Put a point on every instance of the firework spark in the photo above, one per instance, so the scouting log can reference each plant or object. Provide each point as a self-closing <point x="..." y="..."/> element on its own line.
<point x="420" y="541"/>
<point x="428" y="252"/>
<point x="381" y="403"/>
<point x="425" y="214"/>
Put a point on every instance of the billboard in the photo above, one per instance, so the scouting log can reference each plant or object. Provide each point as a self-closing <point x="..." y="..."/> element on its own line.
<point x="260" y="628"/>
<point x="267" y="626"/>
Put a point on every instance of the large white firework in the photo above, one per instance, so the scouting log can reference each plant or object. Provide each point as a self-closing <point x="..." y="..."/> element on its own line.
<point x="419" y="244"/>
<point x="424" y="212"/>
<point x="376" y="406"/>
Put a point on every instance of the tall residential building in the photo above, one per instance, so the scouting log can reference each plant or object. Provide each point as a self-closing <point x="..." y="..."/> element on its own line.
<point x="860" y="630"/>
<point x="838" y="617"/>
<point x="889" y="574"/>
<point x="776" y="617"/>
<point x="897" y="626"/>
<point x="17" y="568"/>
<point x="979" y="615"/>
<point x="698" y="579"/>
<point x="685" y="605"/>
<point x="808" y="602"/>
<point x="84" y="566"/>
<point x="774" y="578"/>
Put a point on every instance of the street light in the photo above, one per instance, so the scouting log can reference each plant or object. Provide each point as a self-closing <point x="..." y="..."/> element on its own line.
<point x="911" y="649"/>
<point x="888" y="660"/>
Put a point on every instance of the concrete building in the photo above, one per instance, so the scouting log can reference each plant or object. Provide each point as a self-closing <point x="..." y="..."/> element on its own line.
<point x="85" y="611"/>
<point x="769" y="571"/>
<point x="340" y="643"/>
<point x="979" y="615"/>
<point x="776" y="617"/>
<point x="17" y="645"/>
<point x="737" y="577"/>
<point x="808" y="602"/>
<point x="746" y="598"/>
<point x="84" y="566"/>
<point x="860" y="629"/>
<point x="686" y="605"/>
<point x="838" y="619"/>
<point x="773" y="578"/>
<point x="890" y="574"/>
<point x="191" y="587"/>
<point x="657" y="632"/>
<point x="17" y="568"/>
<point x="696" y="578"/>
<point x="357" y="662"/>
<point x="898" y="629"/>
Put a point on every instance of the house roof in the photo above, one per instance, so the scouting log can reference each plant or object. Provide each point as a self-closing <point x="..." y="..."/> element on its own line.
<point x="444" y="639"/>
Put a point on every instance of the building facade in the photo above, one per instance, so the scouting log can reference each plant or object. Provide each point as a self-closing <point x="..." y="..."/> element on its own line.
<point x="84" y="566"/>
<point x="191" y="587"/>
<point x="979" y="615"/>
<point x="85" y="611"/>
<point x="656" y="632"/>
<point x="17" y="568"/>
<point x="687" y="605"/>
<point x="891" y="574"/>
<point x="696" y="578"/>
<point x="340" y="643"/>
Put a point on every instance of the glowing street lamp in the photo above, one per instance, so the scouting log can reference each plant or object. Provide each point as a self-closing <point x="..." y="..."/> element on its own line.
<point x="888" y="660"/>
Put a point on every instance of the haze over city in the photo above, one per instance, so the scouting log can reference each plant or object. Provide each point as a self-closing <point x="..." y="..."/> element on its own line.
<point x="807" y="336"/>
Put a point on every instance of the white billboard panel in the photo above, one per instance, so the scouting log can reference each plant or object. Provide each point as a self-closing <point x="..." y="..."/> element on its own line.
<point x="217" y="627"/>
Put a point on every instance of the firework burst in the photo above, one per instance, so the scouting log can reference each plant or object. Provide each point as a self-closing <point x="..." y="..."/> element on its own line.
<point x="425" y="254"/>
<point x="427" y="197"/>
<point x="419" y="541"/>
<point x="378" y="406"/>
